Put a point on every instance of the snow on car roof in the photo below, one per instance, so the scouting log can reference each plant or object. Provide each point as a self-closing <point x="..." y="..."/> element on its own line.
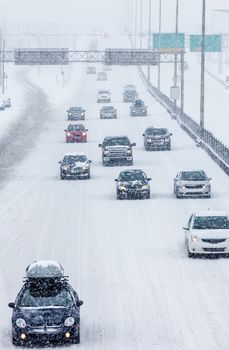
<point x="211" y="213"/>
<point x="44" y="268"/>
<point x="74" y="154"/>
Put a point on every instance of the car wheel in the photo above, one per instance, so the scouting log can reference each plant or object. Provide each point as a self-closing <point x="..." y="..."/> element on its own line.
<point x="130" y="163"/>
<point x="148" y="195"/>
<point x="177" y="194"/>
<point x="16" y="342"/>
<point x="147" y="147"/>
<point x="89" y="176"/>
<point x="169" y="147"/>
<point x="62" y="177"/>
<point x="119" y="196"/>
<point x="76" y="340"/>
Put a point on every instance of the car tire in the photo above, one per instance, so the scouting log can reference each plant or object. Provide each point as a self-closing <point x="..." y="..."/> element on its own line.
<point x="16" y="342"/>
<point x="119" y="197"/>
<point x="76" y="340"/>
<point x="147" y="147"/>
<point x="62" y="177"/>
<point x="148" y="196"/>
<point x="89" y="176"/>
<point x="191" y="255"/>
<point x="177" y="194"/>
<point x="169" y="147"/>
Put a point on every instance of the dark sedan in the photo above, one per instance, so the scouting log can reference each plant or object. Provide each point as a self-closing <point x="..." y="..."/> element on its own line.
<point x="76" y="113"/>
<point x="47" y="309"/>
<point x="108" y="112"/>
<point x="157" y="139"/>
<point x="132" y="184"/>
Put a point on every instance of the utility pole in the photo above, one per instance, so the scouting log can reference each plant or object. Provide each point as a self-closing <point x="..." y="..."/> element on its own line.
<point x="131" y="19"/>
<point x="175" y="57"/>
<point x="136" y="21"/>
<point x="1" y="52"/>
<point x="3" y="67"/>
<point x="159" y="63"/>
<point x="202" y="80"/>
<point x="141" y="24"/>
<point x="149" y="40"/>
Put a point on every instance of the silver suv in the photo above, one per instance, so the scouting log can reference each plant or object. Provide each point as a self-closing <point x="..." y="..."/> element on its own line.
<point x="194" y="183"/>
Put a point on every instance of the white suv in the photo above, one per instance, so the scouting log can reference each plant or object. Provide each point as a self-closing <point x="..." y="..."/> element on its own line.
<point x="104" y="96"/>
<point x="207" y="233"/>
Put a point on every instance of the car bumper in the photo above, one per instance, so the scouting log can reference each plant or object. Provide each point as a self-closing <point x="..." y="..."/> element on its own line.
<point x="158" y="145"/>
<point x="76" y="139"/>
<point x="137" y="113"/>
<point x="42" y="336"/>
<point x="104" y="116"/>
<point x="80" y="174"/>
<point x="103" y="100"/>
<point x="209" y="248"/>
<point x="118" y="160"/>
<point x="133" y="194"/>
<point x="198" y="192"/>
<point x="76" y="117"/>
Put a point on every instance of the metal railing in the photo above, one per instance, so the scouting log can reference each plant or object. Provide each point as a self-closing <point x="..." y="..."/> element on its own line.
<point x="204" y="138"/>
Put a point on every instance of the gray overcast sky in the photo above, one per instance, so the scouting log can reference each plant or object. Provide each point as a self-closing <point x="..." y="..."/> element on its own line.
<point x="86" y="15"/>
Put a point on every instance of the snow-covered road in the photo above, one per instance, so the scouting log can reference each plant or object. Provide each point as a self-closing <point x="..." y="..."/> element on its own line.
<point x="126" y="259"/>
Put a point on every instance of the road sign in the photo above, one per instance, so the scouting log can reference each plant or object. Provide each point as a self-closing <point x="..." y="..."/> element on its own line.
<point x="126" y="57"/>
<point x="41" y="56"/>
<point x="168" y="41"/>
<point x="213" y="43"/>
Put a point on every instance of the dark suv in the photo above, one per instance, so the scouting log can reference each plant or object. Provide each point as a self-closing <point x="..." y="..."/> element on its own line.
<point x="47" y="309"/>
<point x="138" y="108"/>
<point x="76" y="113"/>
<point x="157" y="139"/>
<point x="117" y="150"/>
<point x="133" y="184"/>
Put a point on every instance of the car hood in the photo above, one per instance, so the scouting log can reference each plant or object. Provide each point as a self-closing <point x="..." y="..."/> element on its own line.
<point x="133" y="184"/>
<point x="108" y="148"/>
<point x="76" y="164"/>
<point x="46" y="316"/>
<point x="157" y="137"/>
<point x="191" y="182"/>
<point x="211" y="234"/>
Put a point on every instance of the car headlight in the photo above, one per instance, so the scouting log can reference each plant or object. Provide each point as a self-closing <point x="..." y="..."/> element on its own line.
<point x="106" y="152"/>
<point x="122" y="188"/>
<point x="149" y="139"/>
<point x="129" y="152"/>
<point x="82" y="113"/>
<point x="68" y="134"/>
<point x="64" y="167"/>
<point x="145" y="187"/>
<point x="85" y="167"/>
<point x="69" y="321"/>
<point x="195" y="239"/>
<point x="21" y="323"/>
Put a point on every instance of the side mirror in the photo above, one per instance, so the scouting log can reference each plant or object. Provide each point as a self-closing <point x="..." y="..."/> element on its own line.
<point x="209" y="178"/>
<point x="133" y="144"/>
<point x="149" y="178"/>
<point x="86" y="129"/>
<point x="90" y="161"/>
<point x="171" y="134"/>
<point x="100" y="145"/>
<point x="60" y="162"/>
<point x="175" y="179"/>
<point x="11" y="305"/>
<point x="116" y="180"/>
<point x="186" y="228"/>
<point x="65" y="130"/>
<point x="143" y="134"/>
<point x="79" y="303"/>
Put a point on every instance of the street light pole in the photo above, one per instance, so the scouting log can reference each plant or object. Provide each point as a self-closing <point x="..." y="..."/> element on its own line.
<point x="159" y="63"/>
<point x="202" y="80"/>
<point x="3" y="67"/>
<point x="136" y="20"/>
<point x="149" y="40"/>
<point x="141" y="24"/>
<point x="175" y="57"/>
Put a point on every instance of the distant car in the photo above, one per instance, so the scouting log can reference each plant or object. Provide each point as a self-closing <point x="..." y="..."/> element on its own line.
<point x="192" y="183"/>
<point x="76" y="113"/>
<point x="47" y="309"/>
<point x="157" y="139"/>
<point x="2" y="106"/>
<point x="75" y="166"/>
<point x="102" y="76"/>
<point x="91" y="70"/>
<point x="108" y="112"/>
<point x="76" y="133"/>
<point x="129" y="93"/>
<point x="207" y="233"/>
<point x="132" y="184"/>
<point x="104" y="96"/>
<point x="7" y="102"/>
<point x="117" y="150"/>
<point x="138" y="108"/>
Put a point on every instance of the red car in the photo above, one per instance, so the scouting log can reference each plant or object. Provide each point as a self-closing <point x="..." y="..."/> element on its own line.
<point x="76" y="133"/>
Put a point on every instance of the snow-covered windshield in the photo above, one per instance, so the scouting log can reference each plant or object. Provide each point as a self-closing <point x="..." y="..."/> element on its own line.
<point x="74" y="159"/>
<point x="139" y="103"/>
<point x="108" y="108"/>
<point x="132" y="176"/>
<point x="76" y="127"/>
<point x="211" y="222"/>
<point x="193" y="176"/>
<point x="75" y="109"/>
<point x="43" y="296"/>
<point x="114" y="141"/>
<point x="104" y="92"/>
<point x="158" y="131"/>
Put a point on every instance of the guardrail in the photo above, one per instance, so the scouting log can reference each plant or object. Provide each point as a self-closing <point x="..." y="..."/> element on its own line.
<point x="204" y="138"/>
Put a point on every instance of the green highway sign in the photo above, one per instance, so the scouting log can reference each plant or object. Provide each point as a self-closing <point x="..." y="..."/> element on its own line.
<point x="213" y="43"/>
<point x="168" y="41"/>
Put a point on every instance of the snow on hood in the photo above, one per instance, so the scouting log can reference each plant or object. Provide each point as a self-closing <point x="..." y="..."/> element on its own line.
<point x="211" y="234"/>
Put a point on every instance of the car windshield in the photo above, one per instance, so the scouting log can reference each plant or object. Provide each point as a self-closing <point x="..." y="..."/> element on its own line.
<point x="75" y="109"/>
<point x="139" y="103"/>
<point x="74" y="159"/>
<point x="103" y="92"/>
<point x="108" y="108"/>
<point x="76" y="128"/>
<point x="122" y="141"/>
<point x="211" y="222"/>
<point x="132" y="176"/>
<point x="158" y="131"/>
<point x="193" y="176"/>
<point x="130" y="88"/>
<point x="45" y="295"/>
